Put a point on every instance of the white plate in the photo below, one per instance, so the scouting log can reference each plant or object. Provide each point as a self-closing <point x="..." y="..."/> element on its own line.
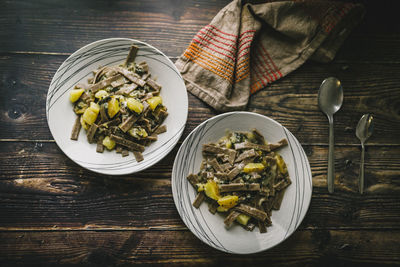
<point x="78" y="68"/>
<point x="210" y="228"/>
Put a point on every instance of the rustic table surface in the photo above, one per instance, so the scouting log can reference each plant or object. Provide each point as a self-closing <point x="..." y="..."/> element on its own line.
<point x="52" y="211"/>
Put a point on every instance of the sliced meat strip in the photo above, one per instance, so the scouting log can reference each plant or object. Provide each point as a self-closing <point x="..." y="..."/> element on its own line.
<point x="219" y="150"/>
<point x="258" y="136"/>
<point x="128" y="123"/>
<point x="231" y="218"/>
<point x="282" y="185"/>
<point x="100" y="146"/>
<point x="76" y="129"/>
<point x="280" y="144"/>
<point x="239" y="187"/>
<point x="127" y="143"/>
<point x="104" y="83"/>
<point x="138" y="156"/>
<point x="234" y="172"/>
<point x="249" y="145"/>
<point x="214" y="163"/>
<point x="161" y="129"/>
<point x="193" y="179"/>
<point x="198" y="200"/>
<point x="153" y="84"/>
<point x="91" y="132"/>
<point x="125" y="153"/>
<point x="252" y="212"/>
<point x="246" y="154"/>
<point x="133" y="77"/>
<point x="126" y="89"/>
<point x="131" y="55"/>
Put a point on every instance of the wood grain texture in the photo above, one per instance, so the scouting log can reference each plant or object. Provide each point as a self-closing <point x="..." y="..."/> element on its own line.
<point x="292" y="101"/>
<point x="309" y="247"/>
<point x="47" y="23"/>
<point x="63" y="27"/>
<point x="40" y="188"/>
<point x="53" y="212"/>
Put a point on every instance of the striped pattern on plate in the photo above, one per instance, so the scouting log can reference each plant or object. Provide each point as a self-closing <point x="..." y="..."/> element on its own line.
<point x="78" y="68"/>
<point x="210" y="228"/>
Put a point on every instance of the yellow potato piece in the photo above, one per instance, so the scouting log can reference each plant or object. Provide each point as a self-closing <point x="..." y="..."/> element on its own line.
<point x="200" y="187"/>
<point x="253" y="167"/>
<point x="228" y="144"/>
<point x="94" y="107"/>
<point x="222" y="209"/>
<point x="101" y="94"/>
<point x="228" y="201"/>
<point x="281" y="164"/>
<point x="154" y="102"/>
<point x="138" y="132"/>
<point x="89" y="116"/>
<point x="74" y="95"/>
<point x="250" y="136"/>
<point x="108" y="143"/>
<point x="134" y="105"/>
<point x="243" y="219"/>
<point x="113" y="107"/>
<point x="211" y="190"/>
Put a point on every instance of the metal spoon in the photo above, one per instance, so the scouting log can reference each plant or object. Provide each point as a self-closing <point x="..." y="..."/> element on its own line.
<point x="364" y="130"/>
<point x="330" y="99"/>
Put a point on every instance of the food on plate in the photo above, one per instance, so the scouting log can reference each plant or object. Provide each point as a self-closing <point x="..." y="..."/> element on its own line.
<point x="242" y="176"/>
<point x="120" y="108"/>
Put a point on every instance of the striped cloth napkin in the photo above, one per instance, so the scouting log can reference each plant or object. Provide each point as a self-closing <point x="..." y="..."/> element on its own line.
<point x="246" y="47"/>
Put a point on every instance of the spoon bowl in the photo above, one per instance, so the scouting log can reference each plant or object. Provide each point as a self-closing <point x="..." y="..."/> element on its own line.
<point x="330" y="96"/>
<point x="364" y="130"/>
<point x="330" y="99"/>
<point x="365" y="127"/>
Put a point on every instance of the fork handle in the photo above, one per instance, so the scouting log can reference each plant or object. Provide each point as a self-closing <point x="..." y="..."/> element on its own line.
<point x="331" y="157"/>
<point x="361" y="181"/>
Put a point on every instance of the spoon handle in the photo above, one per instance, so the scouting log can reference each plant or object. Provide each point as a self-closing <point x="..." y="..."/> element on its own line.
<point x="361" y="182"/>
<point x="331" y="157"/>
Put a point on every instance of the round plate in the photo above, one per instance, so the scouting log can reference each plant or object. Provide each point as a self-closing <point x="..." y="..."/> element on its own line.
<point x="78" y="68"/>
<point x="210" y="228"/>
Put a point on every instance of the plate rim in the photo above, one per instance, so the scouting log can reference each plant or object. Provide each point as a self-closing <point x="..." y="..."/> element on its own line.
<point x="178" y="134"/>
<point x="174" y="178"/>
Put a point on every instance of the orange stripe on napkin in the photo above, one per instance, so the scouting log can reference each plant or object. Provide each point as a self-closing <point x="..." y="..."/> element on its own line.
<point x="204" y="65"/>
<point x="211" y="61"/>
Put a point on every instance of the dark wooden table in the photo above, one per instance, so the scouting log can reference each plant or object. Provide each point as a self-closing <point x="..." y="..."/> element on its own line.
<point x="54" y="212"/>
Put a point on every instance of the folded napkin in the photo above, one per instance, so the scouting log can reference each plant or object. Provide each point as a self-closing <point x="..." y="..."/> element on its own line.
<point x="246" y="47"/>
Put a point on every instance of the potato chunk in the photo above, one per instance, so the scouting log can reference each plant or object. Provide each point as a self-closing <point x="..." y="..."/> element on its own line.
<point x="228" y="201"/>
<point x="253" y="167"/>
<point x="222" y="209"/>
<point x="154" y="102"/>
<point x="243" y="219"/>
<point x="101" y="94"/>
<point x="134" y="105"/>
<point x="281" y="164"/>
<point x="108" y="143"/>
<point x="138" y="132"/>
<point x="75" y="94"/>
<point x="211" y="190"/>
<point x="113" y="107"/>
<point x="89" y="116"/>
<point x="95" y="107"/>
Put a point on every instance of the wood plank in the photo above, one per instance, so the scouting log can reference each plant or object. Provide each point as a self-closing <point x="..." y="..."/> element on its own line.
<point x="310" y="247"/>
<point x="88" y="22"/>
<point x="40" y="188"/>
<point x="375" y="39"/>
<point x="292" y="101"/>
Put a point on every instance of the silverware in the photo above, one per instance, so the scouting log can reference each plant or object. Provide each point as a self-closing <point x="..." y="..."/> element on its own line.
<point x="330" y="99"/>
<point x="364" y="130"/>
